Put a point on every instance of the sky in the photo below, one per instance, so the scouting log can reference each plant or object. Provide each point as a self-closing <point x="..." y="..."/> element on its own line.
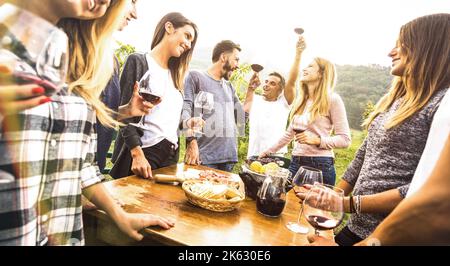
<point x="356" y="32"/>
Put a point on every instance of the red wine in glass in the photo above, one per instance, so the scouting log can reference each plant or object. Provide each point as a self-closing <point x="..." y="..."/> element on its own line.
<point x="149" y="97"/>
<point x="299" y="31"/>
<point x="298" y="130"/>
<point x="322" y="223"/>
<point x="257" y="68"/>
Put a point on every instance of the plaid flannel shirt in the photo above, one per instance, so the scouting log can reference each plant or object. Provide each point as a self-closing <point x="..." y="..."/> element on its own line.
<point x="46" y="159"/>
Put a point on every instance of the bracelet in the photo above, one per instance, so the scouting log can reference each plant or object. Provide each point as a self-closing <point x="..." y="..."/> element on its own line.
<point x="352" y="208"/>
<point x="358" y="204"/>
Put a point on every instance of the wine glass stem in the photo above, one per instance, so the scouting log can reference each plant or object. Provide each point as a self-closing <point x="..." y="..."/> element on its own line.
<point x="300" y="215"/>
<point x="141" y="122"/>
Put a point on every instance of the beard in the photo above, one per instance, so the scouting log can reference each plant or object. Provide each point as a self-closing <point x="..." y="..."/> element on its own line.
<point x="228" y="70"/>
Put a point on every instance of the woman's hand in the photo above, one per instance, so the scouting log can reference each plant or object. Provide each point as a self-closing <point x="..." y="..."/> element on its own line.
<point x="301" y="45"/>
<point x="315" y="240"/>
<point x="132" y="223"/>
<point x="264" y="154"/>
<point x="140" y="165"/>
<point x="16" y="98"/>
<point x="137" y="106"/>
<point x="301" y="192"/>
<point x="307" y="138"/>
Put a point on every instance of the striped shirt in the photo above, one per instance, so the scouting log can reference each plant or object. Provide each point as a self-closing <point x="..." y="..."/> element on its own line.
<point x="46" y="159"/>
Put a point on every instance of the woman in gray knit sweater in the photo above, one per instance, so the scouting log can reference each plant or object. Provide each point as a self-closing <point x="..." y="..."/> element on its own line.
<point x="384" y="165"/>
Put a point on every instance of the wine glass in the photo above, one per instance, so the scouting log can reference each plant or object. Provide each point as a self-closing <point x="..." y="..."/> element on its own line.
<point x="32" y="50"/>
<point x="203" y="103"/>
<point x="299" y="31"/>
<point x="324" y="207"/>
<point x="304" y="176"/>
<point x="300" y="124"/>
<point x="257" y="68"/>
<point x="150" y="93"/>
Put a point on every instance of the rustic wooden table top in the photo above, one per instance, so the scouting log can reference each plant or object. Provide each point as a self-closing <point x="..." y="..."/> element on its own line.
<point x="195" y="226"/>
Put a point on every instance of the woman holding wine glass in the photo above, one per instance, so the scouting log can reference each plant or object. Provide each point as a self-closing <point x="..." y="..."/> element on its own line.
<point x="302" y="181"/>
<point x="153" y="143"/>
<point x="379" y="177"/>
<point x="324" y="207"/>
<point x="318" y="112"/>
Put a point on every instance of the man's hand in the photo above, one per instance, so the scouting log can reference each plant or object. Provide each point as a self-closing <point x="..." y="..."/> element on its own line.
<point x="195" y="123"/>
<point x="192" y="156"/>
<point x="132" y="223"/>
<point x="140" y="165"/>
<point x="254" y="82"/>
<point x="315" y="240"/>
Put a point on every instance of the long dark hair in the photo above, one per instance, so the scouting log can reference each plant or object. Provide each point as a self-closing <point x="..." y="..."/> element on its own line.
<point x="178" y="66"/>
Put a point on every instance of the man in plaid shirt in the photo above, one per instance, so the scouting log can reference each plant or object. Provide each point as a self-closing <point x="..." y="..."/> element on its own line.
<point x="46" y="161"/>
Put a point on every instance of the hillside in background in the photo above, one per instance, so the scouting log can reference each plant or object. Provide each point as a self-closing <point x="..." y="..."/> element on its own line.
<point x="358" y="85"/>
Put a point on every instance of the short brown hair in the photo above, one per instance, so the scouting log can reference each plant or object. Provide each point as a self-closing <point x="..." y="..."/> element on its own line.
<point x="224" y="47"/>
<point x="282" y="80"/>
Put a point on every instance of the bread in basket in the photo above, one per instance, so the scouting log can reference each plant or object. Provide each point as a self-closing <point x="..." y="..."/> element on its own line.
<point x="218" y="197"/>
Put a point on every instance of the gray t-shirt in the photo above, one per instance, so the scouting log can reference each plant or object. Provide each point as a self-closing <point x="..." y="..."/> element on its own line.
<point x="223" y="122"/>
<point x="387" y="159"/>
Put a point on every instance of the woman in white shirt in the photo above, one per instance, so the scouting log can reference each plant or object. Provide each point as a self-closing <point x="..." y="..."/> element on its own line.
<point x="138" y="151"/>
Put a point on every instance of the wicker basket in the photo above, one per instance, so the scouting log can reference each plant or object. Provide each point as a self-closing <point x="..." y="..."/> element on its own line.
<point x="221" y="205"/>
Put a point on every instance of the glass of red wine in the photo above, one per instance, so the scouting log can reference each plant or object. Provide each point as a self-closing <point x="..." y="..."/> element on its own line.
<point x="299" y="31"/>
<point x="300" y="124"/>
<point x="149" y="92"/>
<point x="324" y="207"/>
<point x="304" y="176"/>
<point x="32" y="50"/>
<point x="257" y="68"/>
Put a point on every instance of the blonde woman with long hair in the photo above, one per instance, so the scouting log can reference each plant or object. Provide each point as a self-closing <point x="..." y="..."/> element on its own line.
<point x="380" y="175"/>
<point x="318" y="112"/>
<point x="50" y="156"/>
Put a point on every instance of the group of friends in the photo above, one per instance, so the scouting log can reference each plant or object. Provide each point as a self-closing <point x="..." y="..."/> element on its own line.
<point x="54" y="148"/>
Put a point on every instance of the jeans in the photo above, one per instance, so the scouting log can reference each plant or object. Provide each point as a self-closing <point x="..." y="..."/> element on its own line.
<point x="227" y="167"/>
<point x="324" y="164"/>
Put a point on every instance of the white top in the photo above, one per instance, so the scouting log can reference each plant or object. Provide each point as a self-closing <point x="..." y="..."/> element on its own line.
<point x="164" y="118"/>
<point x="268" y="122"/>
<point x="439" y="131"/>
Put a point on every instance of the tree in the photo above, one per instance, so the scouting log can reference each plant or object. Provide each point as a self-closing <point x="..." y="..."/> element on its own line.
<point x="123" y="52"/>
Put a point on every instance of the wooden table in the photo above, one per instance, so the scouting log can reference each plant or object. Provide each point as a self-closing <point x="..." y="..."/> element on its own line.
<point x="194" y="225"/>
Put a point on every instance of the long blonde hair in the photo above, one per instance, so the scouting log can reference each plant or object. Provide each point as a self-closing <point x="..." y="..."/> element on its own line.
<point x="321" y="103"/>
<point x="91" y="63"/>
<point x="425" y="45"/>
